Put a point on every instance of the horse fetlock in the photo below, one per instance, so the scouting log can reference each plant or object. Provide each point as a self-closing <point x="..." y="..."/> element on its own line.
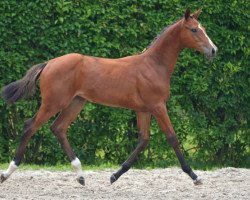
<point x="5" y="175"/>
<point x="81" y="180"/>
<point x="198" y="181"/>
<point x="3" y="178"/>
<point x="113" y="179"/>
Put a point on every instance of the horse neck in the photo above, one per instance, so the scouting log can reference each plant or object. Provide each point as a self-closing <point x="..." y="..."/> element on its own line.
<point x="165" y="50"/>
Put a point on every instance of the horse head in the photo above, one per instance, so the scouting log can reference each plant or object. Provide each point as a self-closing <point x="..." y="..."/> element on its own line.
<point x="193" y="35"/>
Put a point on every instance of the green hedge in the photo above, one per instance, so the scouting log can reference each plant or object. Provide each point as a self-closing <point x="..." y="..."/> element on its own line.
<point x="209" y="104"/>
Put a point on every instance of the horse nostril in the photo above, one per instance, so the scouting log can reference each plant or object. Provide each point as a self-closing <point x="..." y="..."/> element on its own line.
<point x="213" y="51"/>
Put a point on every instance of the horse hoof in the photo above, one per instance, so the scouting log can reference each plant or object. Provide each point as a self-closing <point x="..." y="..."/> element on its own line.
<point x="81" y="180"/>
<point x="198" y="181"/>
<point x="2" y="179"/>
<point x="112" y="179"/>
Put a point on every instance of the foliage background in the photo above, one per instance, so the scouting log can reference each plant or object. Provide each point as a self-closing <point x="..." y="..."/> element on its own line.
<point x="209" y="104"/>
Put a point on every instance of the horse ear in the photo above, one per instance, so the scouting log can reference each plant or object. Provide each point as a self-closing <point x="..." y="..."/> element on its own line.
<point x="187" y="14"/>
<point x="197" y="13"/>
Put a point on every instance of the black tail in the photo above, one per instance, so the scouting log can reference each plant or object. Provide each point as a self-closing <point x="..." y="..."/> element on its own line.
<point x="24" y="87"/>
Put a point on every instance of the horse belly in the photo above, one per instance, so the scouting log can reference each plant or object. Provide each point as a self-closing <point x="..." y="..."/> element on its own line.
<point x="114" y="98"/>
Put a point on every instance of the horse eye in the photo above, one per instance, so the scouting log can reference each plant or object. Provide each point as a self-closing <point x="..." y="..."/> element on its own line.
<point x="194" y="30"/>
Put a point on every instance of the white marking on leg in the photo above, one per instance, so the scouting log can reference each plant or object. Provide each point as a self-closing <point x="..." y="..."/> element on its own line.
<point x="12" y="167"/>
<point x="77" y="167"/>
<point x="198" y="181"/>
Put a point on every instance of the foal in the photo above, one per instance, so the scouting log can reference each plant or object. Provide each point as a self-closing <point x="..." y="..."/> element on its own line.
<point x="139" y="82"/>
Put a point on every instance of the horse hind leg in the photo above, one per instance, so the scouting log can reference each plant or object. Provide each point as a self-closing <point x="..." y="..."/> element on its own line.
<point x="59" y="129"/>
<point x="143" y="123"/>
<point x="30" y="127"/>
<point x="16" y="161"/>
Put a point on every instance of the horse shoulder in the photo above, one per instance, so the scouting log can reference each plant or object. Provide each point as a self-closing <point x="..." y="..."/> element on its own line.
<point x="151" y="86"/>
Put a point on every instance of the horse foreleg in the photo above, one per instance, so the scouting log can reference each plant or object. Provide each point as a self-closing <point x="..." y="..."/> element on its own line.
<point x="143" y="123"/>
<point x="161" y="115"/>
<point x="30" y="128"/>
<point x="59" y="128"/>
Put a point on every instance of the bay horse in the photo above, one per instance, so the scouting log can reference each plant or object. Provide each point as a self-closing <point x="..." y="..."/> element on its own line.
<point x="140" y="82"/>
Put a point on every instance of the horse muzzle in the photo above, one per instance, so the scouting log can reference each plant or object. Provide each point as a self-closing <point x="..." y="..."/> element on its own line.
<point x="211" y="52"/>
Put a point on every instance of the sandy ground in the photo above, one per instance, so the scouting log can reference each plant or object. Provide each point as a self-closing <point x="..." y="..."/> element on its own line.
<point x="170" y="183"/>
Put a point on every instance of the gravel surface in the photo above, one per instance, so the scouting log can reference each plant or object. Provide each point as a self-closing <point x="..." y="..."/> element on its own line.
<point x="170" y="183"/>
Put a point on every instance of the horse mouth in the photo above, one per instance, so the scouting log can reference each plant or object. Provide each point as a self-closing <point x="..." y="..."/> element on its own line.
<point x="197" y="52"/>
<point x="210" y="56"/>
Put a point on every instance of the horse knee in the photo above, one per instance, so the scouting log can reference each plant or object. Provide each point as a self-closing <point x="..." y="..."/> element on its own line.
<point x="57" y="130"/>
<point x="143" y="143"/>
<point x="172" y="140"/>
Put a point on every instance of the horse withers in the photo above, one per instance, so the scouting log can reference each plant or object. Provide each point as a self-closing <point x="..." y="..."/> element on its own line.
<point x="139" y="82"/>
